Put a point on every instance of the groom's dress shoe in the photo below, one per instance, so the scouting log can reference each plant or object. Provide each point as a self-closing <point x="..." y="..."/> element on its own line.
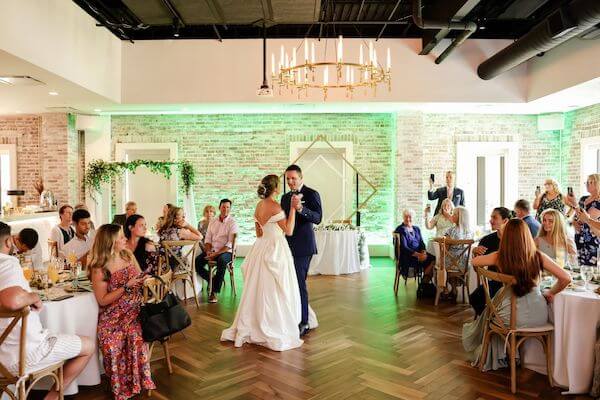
<point x="303" y="329"/>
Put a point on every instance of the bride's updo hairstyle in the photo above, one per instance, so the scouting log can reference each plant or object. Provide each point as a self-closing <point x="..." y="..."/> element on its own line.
<point x="267" y="186"/>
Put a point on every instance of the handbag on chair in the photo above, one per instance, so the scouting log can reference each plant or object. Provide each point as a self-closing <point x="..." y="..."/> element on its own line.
<point x="163" y="319"/>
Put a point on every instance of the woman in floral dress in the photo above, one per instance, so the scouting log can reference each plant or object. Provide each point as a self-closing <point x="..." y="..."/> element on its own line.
<point x="117" y="281"/>
<point x="586" y="241"/>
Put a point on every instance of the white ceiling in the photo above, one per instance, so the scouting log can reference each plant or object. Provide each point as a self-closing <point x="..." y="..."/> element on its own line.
<point x="76" y="99"/>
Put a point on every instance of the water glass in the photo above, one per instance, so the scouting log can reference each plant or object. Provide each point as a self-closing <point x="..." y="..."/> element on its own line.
<point x="586" y="274"/>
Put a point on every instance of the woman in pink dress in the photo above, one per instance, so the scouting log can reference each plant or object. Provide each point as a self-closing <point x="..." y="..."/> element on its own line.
<point x="117" y="280"/>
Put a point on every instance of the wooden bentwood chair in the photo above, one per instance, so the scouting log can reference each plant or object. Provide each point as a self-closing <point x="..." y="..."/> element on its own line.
<point x="212" y="269"/>
<point x="154" y="291"/>
<point x="450" y="268"/>
<point x="184" y="266"/>
<point x="509" y="332"/>
<point x="24" y="381"/>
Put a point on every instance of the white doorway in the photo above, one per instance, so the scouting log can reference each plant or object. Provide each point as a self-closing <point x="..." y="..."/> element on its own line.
<point x="149" y="190"/>
<point x="590" y="160"/>
<point x="8" y="172"/>
<point x="488" y="174"/>
<point x="326" y="172"/>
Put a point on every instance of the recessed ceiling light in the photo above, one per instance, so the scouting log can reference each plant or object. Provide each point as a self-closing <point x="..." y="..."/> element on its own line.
<point x="97" y="110"/>
<point x="53" y="93"/>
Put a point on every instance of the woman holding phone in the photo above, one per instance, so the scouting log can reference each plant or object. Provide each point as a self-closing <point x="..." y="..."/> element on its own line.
<point x="550" y="198"/>
<point x="585" y="239"/>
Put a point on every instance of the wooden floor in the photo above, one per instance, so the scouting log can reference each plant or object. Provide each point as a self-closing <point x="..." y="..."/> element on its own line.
<point x="370" y="345"/>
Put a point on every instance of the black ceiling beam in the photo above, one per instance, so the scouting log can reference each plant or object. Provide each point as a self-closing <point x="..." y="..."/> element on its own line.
<point x="446" y="10"/>
<point x="174" y="12"/>
<point x="389" y="18"/>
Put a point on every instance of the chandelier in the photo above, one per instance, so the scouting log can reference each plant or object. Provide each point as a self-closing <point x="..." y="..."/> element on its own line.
<point x="345" y="75"/>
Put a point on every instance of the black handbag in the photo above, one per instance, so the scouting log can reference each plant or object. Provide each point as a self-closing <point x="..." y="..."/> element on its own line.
<point x="163" y="319"/>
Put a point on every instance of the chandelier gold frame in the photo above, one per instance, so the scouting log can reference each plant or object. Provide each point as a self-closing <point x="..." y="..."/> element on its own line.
<point x="302" y="77"/>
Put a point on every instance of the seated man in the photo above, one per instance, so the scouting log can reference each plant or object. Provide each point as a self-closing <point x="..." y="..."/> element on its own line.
<point x="26" y="242"/>
<point x="43" y="348"/>
<point x="82" y="242"/>
<point x="218" y="245"/>
<point x="489" y="244"/>
<point x="130" y="209"/>
<point x="412" y="248"/>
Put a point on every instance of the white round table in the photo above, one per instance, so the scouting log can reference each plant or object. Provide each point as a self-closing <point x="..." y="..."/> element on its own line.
<point x="337" y="253"/>
<point x="576" y="317"/>
<point x="77" y="315"/>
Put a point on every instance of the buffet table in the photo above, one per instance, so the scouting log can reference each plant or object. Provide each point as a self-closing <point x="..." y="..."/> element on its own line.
<point x="338" y="253"/>
<point x="576" y="316"/>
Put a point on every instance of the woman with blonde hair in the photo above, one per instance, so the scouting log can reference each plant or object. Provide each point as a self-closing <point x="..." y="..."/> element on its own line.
<point x="460" y="231"/>
<point x="208" y="214"/>
<point x="518" y="257"/>
<point x="550" y="198"/>
<point x="176" y="228"/>
<point x="117" y="283"/>
<point x="585" y="239"/>
<point x="553" y="237"/>
<point x="442" y="221"/>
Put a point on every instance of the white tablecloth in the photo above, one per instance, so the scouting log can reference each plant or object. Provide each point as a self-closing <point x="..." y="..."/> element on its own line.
<point x="337" y="253"/>
<point x="77" y="315"/>
<point x="576" y="318"/>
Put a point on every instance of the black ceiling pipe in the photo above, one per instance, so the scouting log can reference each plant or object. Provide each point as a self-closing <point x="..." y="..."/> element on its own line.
<point x="563" y="24"/>
<point x="468" y="28"/>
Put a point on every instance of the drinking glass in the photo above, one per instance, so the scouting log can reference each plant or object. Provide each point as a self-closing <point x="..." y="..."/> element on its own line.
<point x="586" y="274"/>
<point x="572" y="262"/>
<point x="28" y="273"/>
<point x="52" y="274"/>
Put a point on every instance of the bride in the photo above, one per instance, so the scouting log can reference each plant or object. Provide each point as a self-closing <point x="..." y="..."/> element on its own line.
<point x="270" y="308"/>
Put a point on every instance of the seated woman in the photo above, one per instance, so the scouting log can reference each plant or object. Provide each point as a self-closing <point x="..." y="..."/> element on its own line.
<point x="553" y="239"/>
<point x="412" y="248"/>
<point x="461" y="231"/>
<point x="441" y="221"/>
<point x="117" y="282"/>
<point x="176" y="228"/>
<point x="163" y="218"/>
<point x="208" y="214"/>
<point x="143" y="249"/>
<point x="518" y="257"/>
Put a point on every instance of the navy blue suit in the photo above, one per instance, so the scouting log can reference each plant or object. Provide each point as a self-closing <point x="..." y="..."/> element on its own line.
<point x="302" y="242"/>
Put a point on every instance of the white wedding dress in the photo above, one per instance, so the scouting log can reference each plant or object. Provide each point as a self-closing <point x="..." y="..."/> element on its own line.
<point x="270" y="309"/>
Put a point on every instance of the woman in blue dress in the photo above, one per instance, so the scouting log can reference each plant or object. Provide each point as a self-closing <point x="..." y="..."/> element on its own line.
<point x="586" y="241"/>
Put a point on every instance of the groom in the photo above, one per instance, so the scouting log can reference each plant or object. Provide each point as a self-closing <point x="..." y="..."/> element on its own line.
<point x="302" y="242"/>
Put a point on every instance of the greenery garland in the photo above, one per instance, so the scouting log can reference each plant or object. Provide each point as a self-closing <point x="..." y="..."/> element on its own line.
<point x="99" y="172"/>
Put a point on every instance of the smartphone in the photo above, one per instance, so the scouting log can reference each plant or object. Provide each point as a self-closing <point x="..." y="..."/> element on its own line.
<point x="570" y="191"/>
<point x="432" y="177"/>
<point x="538" y="189"/>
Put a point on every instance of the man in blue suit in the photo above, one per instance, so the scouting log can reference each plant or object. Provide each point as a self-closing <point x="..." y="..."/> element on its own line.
<point x="307" y="203"/>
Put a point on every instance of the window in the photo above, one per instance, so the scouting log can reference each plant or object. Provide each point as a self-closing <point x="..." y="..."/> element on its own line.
<point x="8" y="171"/>
<point x="590" y="159"/>
<point x="488" y="174"/>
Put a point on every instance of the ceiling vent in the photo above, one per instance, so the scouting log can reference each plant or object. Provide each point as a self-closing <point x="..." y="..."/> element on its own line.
<point x="20" y="80"/>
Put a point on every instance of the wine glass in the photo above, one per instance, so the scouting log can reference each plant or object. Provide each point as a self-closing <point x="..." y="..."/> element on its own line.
<point x="586" y="274"/>
<point x="52" y="274"/>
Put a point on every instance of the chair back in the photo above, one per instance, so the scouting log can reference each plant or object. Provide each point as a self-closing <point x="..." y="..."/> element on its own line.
<point x="16" y="316"/>
<point x="493" y="303"/>
<point x="156" y="289"/>
<point x="396" y="242"/>
<point x="454" y="261"/>
<point x="186" y="261"/>
<point x="53" y="248"/>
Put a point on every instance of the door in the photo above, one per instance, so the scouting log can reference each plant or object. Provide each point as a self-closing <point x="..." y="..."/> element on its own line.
<point x="326" y="171"/>
<point x="149" y="190"/>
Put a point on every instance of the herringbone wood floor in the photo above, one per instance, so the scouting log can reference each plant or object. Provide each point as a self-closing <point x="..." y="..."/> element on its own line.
<point x="370" y="345"/>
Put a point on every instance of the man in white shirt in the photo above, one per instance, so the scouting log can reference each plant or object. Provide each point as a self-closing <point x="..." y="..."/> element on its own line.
<point x="43" y="348"/>
<point x="26" y="243"/>
<point x="82" y="242"/>
<point x="218" y="244"/>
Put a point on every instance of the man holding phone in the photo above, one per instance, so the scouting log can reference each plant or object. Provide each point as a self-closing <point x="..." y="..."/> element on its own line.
<point x="445" y="192"/>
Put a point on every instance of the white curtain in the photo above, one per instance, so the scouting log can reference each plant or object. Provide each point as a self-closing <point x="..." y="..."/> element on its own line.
<point x="190" y="209"/>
